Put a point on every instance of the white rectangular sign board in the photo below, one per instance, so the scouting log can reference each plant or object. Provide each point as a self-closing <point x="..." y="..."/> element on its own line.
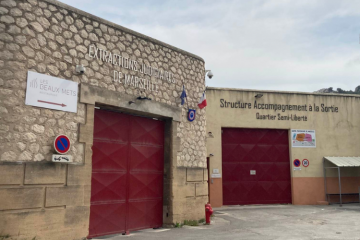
<point x="61" y="158"/>
<point x="303" y="138"/>
<point x="216" y="175"/>
<point x="51" y="92"/>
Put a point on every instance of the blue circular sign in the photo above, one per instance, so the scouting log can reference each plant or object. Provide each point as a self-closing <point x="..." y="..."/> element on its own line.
<point x="297" y="163"/>
<point x="62" y="144"/>
<point x="191" y="115"/>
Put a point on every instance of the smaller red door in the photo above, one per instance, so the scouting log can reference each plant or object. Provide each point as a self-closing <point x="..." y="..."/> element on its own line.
<point x="256" y="166"/>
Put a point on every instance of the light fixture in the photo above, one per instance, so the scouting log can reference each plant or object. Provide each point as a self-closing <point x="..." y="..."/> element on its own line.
<point x="131" y="102"/>
<point x="211" y="155"/>
<point x="259" y="95"/>
<point x="210" y="135"/>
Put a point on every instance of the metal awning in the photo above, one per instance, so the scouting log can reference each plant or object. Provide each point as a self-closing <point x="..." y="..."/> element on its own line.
<point x="344" y="161"/>
<point x="340" y="162"/>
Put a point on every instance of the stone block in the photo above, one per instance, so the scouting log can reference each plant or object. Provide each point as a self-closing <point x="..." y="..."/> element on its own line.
<point x="86" y="131"/>
<point x="64" y="196"/>
<point x="45" y="173"/>
<point x="178" y="175"/>
<point x="11" y="174"/>
<point x="77" y="217"/>
<point x="79" y="174"/>
<point x="183" y="191"/>
<point x="46" y="224"/>
<point x="194" y="175"/>
<point x="195" y="208"/>
<point x="20" y="198"/>
<point x="87" y="195"/>
<point x="201" y="189"/>
<point x="206" y="175"/>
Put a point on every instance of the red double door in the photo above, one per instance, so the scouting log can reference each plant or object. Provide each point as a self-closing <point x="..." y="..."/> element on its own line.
<point x="255" y="166"/>
<point x="127" y="173"/>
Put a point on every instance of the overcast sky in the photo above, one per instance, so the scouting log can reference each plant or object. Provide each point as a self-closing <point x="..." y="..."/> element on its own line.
<point x="274" y="44"/>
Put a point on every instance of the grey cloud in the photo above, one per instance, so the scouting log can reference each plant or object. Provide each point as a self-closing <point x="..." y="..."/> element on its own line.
<point x="286" y="45"/>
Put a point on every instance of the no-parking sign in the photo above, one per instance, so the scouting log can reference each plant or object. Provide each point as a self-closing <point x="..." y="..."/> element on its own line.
<point x="297" y="163"/>
<point x="62" y="144"/>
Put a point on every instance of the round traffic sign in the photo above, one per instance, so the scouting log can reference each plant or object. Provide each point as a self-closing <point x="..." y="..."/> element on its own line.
<point x="62" y="144"/>
<point x="305" y="162"/>
<point x="297" y="163"/>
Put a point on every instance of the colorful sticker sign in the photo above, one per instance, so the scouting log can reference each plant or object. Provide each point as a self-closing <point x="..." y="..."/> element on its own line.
<point x="303" y="138"/>
<point x="62" y="144"/>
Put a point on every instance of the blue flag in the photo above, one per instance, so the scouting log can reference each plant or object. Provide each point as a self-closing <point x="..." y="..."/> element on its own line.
<point x="183" y="96"/>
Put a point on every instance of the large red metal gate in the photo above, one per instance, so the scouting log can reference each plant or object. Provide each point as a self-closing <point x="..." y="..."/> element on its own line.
<point x="255" y="166"/>
<point x="127" y="173"/>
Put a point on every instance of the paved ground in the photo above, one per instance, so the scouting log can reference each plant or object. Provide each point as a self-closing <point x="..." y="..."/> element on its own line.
<point x="262" y="222"/>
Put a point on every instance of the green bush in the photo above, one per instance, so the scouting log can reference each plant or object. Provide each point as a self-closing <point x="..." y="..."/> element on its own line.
<point x="178" y="225"/>
<point x="4" y="236"/>
<point x="191" y="223"/>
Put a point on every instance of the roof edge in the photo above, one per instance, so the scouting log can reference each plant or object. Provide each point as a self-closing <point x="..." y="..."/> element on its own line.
<point x="284" y="92"/>
<point x="140" y="35"/>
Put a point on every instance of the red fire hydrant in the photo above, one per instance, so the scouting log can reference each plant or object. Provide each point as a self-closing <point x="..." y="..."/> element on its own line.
<point x="208" y="212"/>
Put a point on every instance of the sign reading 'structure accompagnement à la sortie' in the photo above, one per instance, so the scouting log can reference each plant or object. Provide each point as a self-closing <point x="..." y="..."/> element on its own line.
<point x="280" y="110"/>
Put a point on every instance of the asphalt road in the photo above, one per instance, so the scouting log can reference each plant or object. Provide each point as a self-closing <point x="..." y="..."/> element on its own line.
<point x="265" y="222"/>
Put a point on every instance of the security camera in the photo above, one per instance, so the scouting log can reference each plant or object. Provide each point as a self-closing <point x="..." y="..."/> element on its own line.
<point x="80" y="69"/>
<point x="210" y="74"/>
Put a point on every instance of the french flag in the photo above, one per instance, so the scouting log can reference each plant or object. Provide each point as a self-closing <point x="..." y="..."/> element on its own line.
<point x="202" y="103"/>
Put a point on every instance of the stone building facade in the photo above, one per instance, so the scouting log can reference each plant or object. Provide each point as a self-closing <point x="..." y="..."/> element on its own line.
<point x="40" y="198"/>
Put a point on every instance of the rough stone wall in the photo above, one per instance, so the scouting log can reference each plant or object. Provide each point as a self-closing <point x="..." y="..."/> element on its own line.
<point x="51" y="38"/>
<point x="50" y="200"/>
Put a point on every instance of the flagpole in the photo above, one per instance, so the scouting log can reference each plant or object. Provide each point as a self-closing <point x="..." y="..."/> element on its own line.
<point x="187" y="102"/>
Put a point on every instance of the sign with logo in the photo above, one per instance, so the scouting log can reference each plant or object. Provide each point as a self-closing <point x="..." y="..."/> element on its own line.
<point x="191" y="115"/>
<point x="252" y="172"/>
<point x="62" y="144"/>
<point x="305" y="162"/>
<point x="51" y="92"/>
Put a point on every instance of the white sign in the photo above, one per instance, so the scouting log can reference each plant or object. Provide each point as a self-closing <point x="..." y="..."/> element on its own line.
<point x="252" y="172"/>
<point x="215" y="170"/>
<point x="297" y="168"/>
<point x="216" y="175"/>
<point x="51" y="92"/>
<point x="61" y="158"/>
<point x="303" y="138"/>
